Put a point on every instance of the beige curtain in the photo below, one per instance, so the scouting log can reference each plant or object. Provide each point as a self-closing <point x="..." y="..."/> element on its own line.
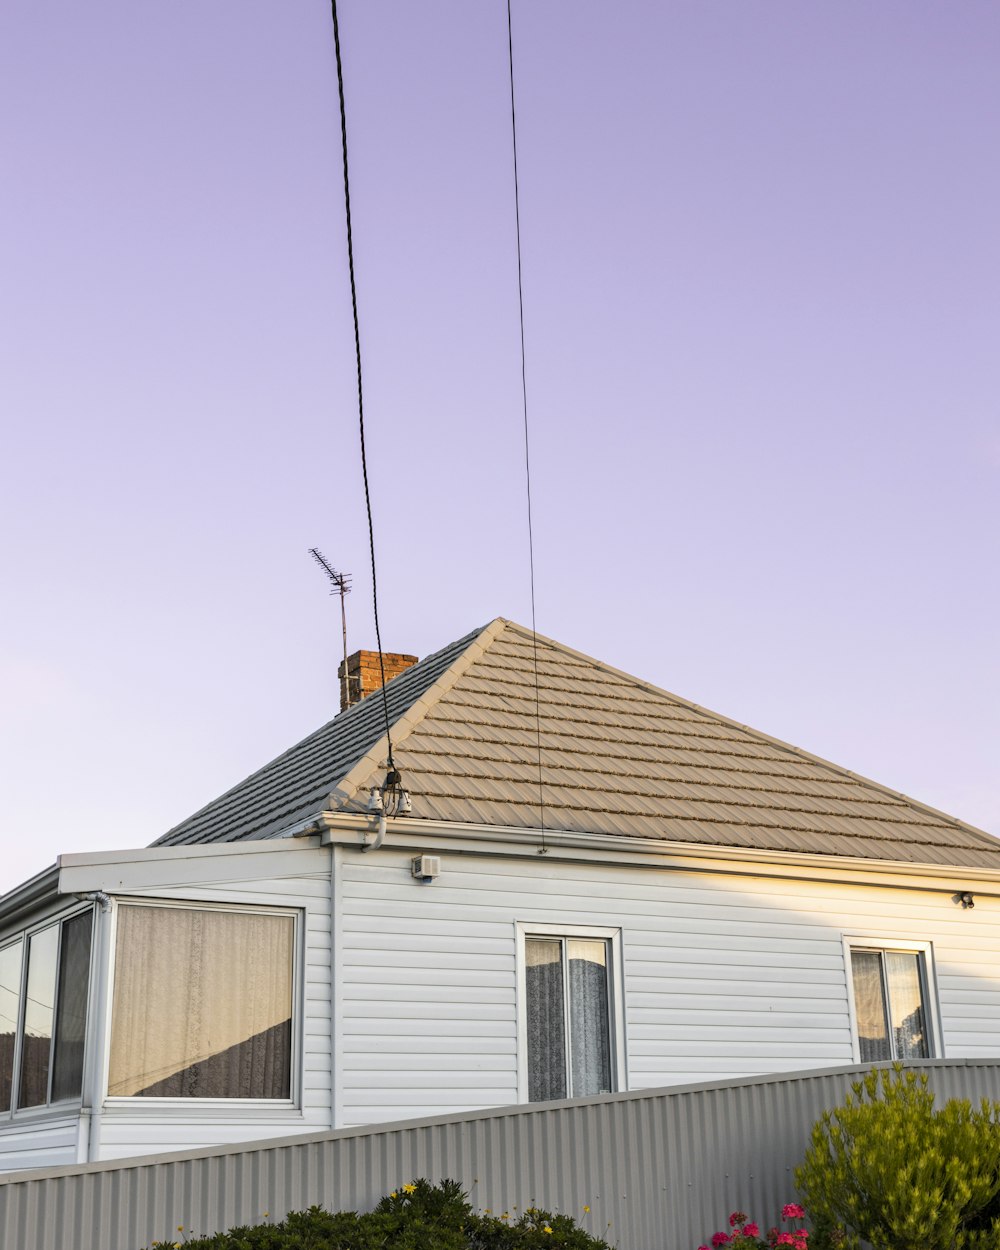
<point x="202" y="1004"/>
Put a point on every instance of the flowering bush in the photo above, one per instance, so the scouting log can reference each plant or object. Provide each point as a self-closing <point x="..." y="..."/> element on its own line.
<point x="415" y="1216"/>
<point x="890" y="1169"/>
<point x="745" y="1233"/>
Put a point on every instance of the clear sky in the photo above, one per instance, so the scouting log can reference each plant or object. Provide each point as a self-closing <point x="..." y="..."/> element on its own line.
<point x="762" y="300"/>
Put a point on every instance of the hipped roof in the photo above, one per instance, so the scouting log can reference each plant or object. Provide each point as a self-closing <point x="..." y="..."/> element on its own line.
<point x="617" y="756"/>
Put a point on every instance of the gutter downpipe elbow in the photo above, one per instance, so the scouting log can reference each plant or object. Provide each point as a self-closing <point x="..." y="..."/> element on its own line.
<point x="379" y="836"/>
<point x="96" y="896"/>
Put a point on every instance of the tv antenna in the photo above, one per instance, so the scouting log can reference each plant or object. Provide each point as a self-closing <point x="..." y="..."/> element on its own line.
<point x="341" y="586"/>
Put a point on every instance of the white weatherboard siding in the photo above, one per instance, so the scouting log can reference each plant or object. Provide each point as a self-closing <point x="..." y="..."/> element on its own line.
<point x="48" y="1141"/>
<point x="725" y="975"/>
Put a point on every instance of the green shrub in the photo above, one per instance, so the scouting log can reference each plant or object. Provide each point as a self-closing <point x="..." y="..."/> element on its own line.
<point x="418" y="1216"/>
<point x="888" y="1169"/>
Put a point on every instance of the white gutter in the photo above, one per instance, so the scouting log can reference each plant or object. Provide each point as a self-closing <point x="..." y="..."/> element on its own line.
<point x="28" y="896"/>
<point x="571" y="846"/>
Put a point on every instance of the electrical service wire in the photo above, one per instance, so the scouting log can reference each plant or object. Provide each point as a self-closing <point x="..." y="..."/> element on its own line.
<point x="527" y="457"/>
<point x="357" y="348"/>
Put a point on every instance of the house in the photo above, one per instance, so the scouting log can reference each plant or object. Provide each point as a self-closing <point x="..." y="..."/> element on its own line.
<point x="592" y="885"/>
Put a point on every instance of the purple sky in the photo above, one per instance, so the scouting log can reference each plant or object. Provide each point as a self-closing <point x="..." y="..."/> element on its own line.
<point x="762" y="297"/>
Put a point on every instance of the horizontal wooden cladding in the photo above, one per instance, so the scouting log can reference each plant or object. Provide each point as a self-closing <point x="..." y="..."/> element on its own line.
<point x="658" y="1169"/>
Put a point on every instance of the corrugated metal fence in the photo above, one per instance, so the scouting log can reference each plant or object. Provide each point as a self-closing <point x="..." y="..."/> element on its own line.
<point x="659" y="1169"/>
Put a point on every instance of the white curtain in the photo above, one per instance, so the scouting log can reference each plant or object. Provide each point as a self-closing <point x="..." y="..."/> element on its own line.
<point x="555" y="967"/>
<point x="202" y="1004"/>
<point x="869" y="1006"/>
<point x="546" y="1019"/>
<point x="909" y="1029"/>
<point x="588" y="1018"/>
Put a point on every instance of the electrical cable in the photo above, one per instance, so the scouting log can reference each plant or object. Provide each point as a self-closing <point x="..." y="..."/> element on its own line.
<point x="527" y="456"/>
<point x="357" y="347"/>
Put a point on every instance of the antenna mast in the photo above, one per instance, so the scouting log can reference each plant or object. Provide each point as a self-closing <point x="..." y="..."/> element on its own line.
<point x="342" y="586"/>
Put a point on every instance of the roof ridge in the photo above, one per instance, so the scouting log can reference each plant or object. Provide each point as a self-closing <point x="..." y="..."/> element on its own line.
<point x="988" y="838"/>
<point x="338" y="722"/>
<point x="353" y="781"/>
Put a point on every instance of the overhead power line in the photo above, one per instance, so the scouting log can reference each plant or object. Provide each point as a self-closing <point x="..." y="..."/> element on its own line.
<point x="527" y="451"/>
<point x="357" y="349"/>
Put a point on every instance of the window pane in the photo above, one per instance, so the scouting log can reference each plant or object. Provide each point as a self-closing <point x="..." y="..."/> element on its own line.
<point x="909" y="1030"/>
<point x="546" y="1019"/>
<point x="43" y="949"/>
<point x="202" y="1004"/>
<point x="71" y="1017"/>
<point x="10" y="1002"/>
<point x="869" y="1006"/>
<point x="590" y="1047"/>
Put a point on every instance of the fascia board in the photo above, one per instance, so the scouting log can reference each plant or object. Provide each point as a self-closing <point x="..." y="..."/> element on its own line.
<point x="348" y="829"/>
<point x="165" y="866"/>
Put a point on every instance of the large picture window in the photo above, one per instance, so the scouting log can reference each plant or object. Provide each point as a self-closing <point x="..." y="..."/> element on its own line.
<point x="43" y="1013"/>
<point x="890" y="994"/>
<point x="568" y="1015"/>
<point x="202" y="1004"/>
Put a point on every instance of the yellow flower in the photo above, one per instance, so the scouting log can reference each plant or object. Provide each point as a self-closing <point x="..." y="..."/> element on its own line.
<point x="393" y="1194"/>
<point x="180" y="1228"/>
<point x="266" y="1214"/>
<point x="409" y="1189"/>
<point x="546" y="1229"/>
<point x="488" y="1211"/>
<point x="587" y="1209"/>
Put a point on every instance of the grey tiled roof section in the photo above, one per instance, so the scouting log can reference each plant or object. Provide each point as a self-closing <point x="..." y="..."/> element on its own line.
<point x="618" y="756"/>
<point x="295" y="786"/>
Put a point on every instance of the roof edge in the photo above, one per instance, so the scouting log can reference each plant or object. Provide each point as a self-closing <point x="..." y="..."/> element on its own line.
<point x="31" y="894"/>
<point x="663" y="854"/>
<point x="992" y="840"/>
<point x="165" y="839"/>
<point x="349" y="786"/>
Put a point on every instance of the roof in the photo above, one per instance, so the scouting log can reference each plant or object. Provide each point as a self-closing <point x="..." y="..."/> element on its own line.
<point x="617" y="756"/>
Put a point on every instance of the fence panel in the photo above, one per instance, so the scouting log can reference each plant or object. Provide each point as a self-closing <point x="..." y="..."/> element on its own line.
<point x="659" y="1169"/>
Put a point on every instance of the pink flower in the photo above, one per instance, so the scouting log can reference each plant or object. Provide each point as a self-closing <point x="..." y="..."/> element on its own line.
<point x="792" y="1211"/>
<point x="751" y="1230"/>
<point x="703" y="1248"/>
<point x="784" y="1239"/>
<point x="719" y="1239"/>
<point x="737" y="1217"/>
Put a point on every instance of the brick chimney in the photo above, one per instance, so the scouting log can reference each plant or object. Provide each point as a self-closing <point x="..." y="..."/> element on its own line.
<point x="364" y="676"/>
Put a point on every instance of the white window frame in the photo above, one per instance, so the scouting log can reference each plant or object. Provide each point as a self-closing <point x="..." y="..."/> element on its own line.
<point x="209" y="1108"/>
<point x="616" y="996"/>
<point x="52" y="920"/>
<point x="932" y="1014"/>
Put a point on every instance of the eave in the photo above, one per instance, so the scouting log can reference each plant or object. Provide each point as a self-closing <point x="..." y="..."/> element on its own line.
<point x="351" y="830"/>
<point x="30" y="896"/>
